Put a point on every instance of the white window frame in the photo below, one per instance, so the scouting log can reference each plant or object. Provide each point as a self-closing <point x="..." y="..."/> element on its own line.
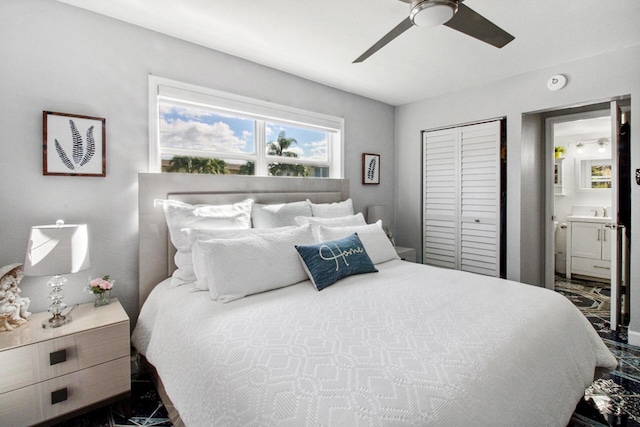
<point x="261" y="111"/>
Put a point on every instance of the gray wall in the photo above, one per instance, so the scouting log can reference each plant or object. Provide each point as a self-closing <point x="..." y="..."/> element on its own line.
<point x="60" y="58"/>
<point x="591" y="80"/>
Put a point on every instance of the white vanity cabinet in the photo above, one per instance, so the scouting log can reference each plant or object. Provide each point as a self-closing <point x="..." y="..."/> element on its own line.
<point x="589" y="248"/>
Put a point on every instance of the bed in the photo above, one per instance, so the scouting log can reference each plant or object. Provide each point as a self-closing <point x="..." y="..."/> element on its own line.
<point x="409" y="344"/>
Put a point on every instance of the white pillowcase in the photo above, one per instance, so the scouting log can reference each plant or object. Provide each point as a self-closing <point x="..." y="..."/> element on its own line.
<point x="331" y="210"/>
<point x="181" y="215"/>
<point x="235" y="268"/>
<point x="372" y="236"/>
<point x="196" y="234"/>
<point x="341" y="221"/>
<point x="279" y="215"/>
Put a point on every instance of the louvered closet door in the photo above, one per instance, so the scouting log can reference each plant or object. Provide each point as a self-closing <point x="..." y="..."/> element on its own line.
<point x="441" y="198"/>
<point x="462" y="198"/>
<point x="480" y="199"/>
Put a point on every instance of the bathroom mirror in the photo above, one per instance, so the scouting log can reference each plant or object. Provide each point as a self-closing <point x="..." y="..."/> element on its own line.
<point x="594" y="174"/>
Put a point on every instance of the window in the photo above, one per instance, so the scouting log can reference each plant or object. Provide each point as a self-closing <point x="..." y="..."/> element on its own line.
<point x="595" y="173"/>
<point x="199" y="130"/>
<point x="601" y="175"/>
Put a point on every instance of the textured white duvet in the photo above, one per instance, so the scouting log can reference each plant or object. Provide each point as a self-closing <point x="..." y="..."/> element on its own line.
<point x="410" y="345"/>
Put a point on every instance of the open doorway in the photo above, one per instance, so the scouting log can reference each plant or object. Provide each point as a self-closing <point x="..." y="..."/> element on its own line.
<point x="587" y="240"/>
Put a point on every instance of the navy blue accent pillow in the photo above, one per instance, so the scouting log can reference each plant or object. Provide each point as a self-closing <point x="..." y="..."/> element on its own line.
<point x="328" y="262"/>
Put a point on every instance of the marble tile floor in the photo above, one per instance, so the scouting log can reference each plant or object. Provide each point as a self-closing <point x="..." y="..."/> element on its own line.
<point x="613" y="400"/>
<point x="610" y="401"/>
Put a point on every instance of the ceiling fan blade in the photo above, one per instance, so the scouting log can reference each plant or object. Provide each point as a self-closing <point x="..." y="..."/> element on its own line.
<point x="399" y="29"/>
<point x="475" y="25"/>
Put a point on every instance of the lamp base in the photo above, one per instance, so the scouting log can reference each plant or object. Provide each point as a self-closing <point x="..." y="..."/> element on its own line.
<point x="389" y="235"/>
<point x="56" y="321"/>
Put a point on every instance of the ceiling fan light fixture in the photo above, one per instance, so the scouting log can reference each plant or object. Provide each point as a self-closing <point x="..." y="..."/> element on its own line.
<point x="430" y="13"/>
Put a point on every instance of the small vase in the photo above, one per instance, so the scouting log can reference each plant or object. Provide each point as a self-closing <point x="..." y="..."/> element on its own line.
<point x="102" y="298"/>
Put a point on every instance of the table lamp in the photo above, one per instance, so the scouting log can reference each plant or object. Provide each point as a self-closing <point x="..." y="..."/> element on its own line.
<point x="54" y="250"/>
<point x="377" y="213"/>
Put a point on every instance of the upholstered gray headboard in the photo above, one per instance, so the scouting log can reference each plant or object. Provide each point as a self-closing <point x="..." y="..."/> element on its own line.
<point x="155" y="250"/>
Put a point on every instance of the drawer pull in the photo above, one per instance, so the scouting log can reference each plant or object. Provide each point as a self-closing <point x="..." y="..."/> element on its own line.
<point x="604" y="268"/>
<point x="58" y="357"/>
<point x="58" y="396"/>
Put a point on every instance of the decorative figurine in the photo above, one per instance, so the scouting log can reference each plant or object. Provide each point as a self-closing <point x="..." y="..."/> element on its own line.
<point x="13" y="308"/>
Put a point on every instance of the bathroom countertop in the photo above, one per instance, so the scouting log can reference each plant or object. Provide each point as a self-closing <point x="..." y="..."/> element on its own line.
<point x="585" y="218"/>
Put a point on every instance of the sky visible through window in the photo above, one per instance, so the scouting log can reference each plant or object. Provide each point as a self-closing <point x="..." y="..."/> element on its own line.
<point x="202" y="129"/>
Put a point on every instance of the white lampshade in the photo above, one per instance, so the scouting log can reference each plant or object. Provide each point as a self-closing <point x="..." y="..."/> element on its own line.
<point x="56" y="250"/>
<point x="376" y="213"/>
<point x="431" y="13"/>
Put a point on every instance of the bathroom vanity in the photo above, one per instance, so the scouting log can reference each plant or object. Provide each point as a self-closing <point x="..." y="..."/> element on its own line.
<point x="589" y="246"/>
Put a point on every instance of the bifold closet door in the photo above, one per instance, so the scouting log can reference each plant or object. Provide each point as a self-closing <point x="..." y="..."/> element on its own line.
<point x="441" y="199"/>
<point x="462" y="198"/>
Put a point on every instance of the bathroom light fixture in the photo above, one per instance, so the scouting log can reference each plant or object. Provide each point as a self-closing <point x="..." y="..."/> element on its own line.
<point x="602" y="142"/>
<point x="580" y="147"/>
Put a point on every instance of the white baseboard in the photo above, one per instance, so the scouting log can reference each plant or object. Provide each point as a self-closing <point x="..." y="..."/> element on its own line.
<point x="634" y="338"/>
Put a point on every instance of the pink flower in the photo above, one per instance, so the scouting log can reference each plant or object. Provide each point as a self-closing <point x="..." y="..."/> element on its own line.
<point x="99" y="285"/>
<point x="95" y="283"/>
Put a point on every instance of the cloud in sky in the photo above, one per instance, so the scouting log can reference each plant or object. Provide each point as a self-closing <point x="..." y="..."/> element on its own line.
<point x="202" y="130"/>
<point x="201" y="136"/>
<point x="318" y="149"/>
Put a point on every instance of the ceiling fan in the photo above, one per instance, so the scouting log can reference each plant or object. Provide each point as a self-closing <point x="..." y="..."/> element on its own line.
<point x="453" y="14"/>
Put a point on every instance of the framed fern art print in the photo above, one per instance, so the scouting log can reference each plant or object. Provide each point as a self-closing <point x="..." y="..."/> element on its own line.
<point x="370" y="168"/>
<point x="73" y="145"/>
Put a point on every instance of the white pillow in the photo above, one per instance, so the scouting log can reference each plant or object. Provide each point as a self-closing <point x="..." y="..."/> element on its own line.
<point x="341" y="221"/>
<point x="331" y="210"/>
<point x="372" y="236"/>
<point x="280" y="215"/>
<point x="181" y="215"/>
<point x="235" y="268"/>
<point x="196" y="234"/>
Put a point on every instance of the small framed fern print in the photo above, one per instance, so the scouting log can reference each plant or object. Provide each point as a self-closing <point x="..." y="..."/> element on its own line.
<point x="370" y="168"/>
<point x="73" y="145"/>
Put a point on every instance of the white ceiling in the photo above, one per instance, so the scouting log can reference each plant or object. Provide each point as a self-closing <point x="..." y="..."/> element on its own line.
<point x="319" y="39"/>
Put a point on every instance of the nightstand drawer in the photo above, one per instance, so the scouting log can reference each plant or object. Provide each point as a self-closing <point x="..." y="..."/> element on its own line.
<point x="52" y="358"/>
<point x="33" y="404"/>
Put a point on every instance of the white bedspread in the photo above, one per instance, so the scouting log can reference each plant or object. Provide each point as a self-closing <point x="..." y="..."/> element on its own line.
<point x="410" y="345"/>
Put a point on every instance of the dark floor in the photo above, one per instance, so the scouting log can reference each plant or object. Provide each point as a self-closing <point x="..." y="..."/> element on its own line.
<point x="611" y="401"/>
<point x="615" y="399"/>
<point x="146" y="408"/>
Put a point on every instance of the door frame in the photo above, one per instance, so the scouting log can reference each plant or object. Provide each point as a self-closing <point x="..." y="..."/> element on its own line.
<point x="620" y="249"/>
<point x="549" y="121"/>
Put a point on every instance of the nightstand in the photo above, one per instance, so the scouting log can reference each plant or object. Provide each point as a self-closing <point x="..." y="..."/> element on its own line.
<point x="406" y="254"/>
<point x="50" y="373"/>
